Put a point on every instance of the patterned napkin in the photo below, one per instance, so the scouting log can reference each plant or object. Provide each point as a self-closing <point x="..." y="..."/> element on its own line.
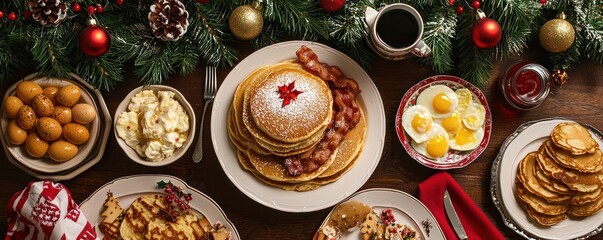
<point x="45" y="210"/>
<point x="474" y="221"/>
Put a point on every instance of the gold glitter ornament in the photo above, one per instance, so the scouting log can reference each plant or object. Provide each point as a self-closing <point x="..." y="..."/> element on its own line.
<point x="246" y="21"/>
<point x="557" y="35"/>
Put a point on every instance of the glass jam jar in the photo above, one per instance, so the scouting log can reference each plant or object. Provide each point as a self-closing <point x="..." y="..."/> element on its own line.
<point x="524" y="85"/>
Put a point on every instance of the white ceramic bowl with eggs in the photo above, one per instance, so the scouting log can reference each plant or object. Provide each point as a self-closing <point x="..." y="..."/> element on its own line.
<point x="179" y="152"/>
<point x="44" y="165"/>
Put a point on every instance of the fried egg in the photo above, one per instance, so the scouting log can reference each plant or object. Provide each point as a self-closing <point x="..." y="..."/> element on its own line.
<point x="466" y="139"/>
<point x="436" y="145"/>
<point x="451" y="124"/>
<point x="440" y="100"/>
<point x="474" y="116"/>
<point x="417" y="121"/>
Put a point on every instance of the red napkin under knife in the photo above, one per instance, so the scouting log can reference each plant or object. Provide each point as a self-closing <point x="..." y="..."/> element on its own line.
<point x="476" y="223"/>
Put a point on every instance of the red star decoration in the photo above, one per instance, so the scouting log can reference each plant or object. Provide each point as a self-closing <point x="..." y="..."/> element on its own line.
<point x="288" y="93"/>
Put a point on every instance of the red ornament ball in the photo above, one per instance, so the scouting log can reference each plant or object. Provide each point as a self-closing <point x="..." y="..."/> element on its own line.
<point x="12" y="16"/>
<point x="331" y="5"/>
<point x="1" y="14"/>
<point x="486" y="33"/>
<point x="451" y="2"/>
<point x="476" y="4"/>
<point x="99" y="9"/>
<point x="119" y="2"/>
<point x="542" y="1"/>
<point x="460" y="10"/>
<point x="76" y="7"/>
<point x="91" y="10"/>
<point x="95" y="41"/>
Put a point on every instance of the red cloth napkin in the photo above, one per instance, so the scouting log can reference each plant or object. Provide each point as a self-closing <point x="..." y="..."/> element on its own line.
<point x="45" y="210"/>
<point x="476" y="223"/>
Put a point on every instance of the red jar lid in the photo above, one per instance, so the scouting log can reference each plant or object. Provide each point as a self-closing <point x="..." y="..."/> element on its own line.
<point x="525" y="85"/>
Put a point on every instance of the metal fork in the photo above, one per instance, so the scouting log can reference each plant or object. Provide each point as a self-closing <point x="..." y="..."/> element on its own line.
<point x="209" y="93"/>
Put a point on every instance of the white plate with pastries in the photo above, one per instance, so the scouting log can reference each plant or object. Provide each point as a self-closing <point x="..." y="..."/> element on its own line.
<point x="406" y="210"/>
<point x="129" y="188"/>
<point x="325" y="196"/>
<point x="527" y="138"/>
<point x="85" y="152"/>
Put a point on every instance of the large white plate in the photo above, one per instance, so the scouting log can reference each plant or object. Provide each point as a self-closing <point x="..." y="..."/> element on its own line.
<point x="128" y="188"/>
<point x="324" y="196"/>
<point x="527" y="138"/>
<point x="406" y="209"/>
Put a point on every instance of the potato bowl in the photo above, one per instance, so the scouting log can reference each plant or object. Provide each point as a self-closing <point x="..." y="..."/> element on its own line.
<point x="178" y="152"/>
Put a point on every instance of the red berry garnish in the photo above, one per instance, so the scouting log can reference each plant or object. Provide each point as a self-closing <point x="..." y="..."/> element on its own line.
<point x="100" y="9"/>
<point x="77" y="8"/>
<point x="460" y="10"/>
<point x="91" y="10"/>
<point x="12" y="16"/>
<point x="476" y="4"/>
<point x="542" y="1"/>
<point x="451" y="2"/>
<point x="168" y="190"/>
<point x="119" y="2"/>
<point x="1" y="14"/>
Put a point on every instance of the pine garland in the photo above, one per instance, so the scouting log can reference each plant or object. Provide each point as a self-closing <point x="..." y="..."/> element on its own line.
<point x="54" y="50"/>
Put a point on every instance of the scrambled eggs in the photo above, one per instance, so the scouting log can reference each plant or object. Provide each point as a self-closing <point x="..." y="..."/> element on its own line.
<point x="154" y="125"/>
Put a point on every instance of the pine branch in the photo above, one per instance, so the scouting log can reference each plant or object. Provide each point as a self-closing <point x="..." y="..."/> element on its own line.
<point x="474" y="63"/>
<point x="593" y="31"/>
<point x="153" y="65"/>
<point x="515" y="19"/>
<point x="102" y="72"/>
<point x="50" y="53"/>
<point x="300" y="19"/>
<point x="439" y="33"/>
<point x="348" y="31"/>
<point x="210" y="31"/>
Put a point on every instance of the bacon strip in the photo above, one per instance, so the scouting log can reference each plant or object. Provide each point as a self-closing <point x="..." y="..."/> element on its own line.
<point x="346" y="112"/>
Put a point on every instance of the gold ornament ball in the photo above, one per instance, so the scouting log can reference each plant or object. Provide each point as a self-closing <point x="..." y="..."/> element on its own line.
<point x="246" y="22"/>
<point x="557" y="35"/>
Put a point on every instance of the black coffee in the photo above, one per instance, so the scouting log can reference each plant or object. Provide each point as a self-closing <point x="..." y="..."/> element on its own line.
<point x="397" y="28"/>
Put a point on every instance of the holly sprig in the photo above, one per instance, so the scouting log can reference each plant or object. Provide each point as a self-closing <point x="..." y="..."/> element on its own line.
<point x="175" y="197"/>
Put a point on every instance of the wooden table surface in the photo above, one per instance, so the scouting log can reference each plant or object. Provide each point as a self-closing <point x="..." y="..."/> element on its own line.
<point x="580" y="100"/>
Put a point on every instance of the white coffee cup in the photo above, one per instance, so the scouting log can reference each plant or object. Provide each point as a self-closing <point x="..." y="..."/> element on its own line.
<point x="395" y="32"/>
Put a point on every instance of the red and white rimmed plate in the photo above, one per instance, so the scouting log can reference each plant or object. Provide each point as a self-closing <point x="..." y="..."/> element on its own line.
<point x="453" y="158"/>
<point x="406" y="209"/>
<point x="129" y="188"/>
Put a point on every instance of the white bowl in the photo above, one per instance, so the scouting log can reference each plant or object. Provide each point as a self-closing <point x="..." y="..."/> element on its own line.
<point x="132" y="154"/>
<point x="45" y="164"/>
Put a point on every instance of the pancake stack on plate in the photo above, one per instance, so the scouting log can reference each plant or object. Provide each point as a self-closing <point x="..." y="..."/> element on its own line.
<point x="267" y="127"/>
<point x="563" y="178"/>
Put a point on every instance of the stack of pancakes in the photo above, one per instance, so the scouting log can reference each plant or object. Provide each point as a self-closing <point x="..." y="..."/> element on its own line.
<point x="563" y="178"/>
<point x="265" y="131"/>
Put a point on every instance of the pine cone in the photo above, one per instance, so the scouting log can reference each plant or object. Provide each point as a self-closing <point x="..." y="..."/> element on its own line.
<point x="559" y="77"/>
<point x="168" y="19"/>
<point x="48" y="12"/>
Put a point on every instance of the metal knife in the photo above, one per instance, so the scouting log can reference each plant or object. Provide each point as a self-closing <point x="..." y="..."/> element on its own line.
<point x="453" y="217"/>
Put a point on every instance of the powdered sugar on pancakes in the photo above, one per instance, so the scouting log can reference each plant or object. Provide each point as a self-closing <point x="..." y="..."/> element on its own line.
<point x="300" y="119"/>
